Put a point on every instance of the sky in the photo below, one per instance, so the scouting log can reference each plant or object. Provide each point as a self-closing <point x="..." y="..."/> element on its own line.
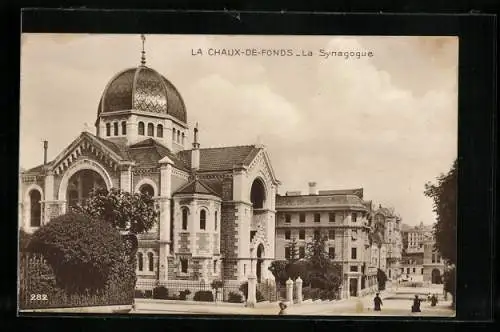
<point x="386" y="122"/>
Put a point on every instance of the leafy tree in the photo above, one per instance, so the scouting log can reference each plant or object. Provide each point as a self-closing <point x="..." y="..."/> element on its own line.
<point x="444" y="196"/>
<point x="323" y="273"/>
<point x="130" y="213"/>
<point x="316" y="253"/>
<point x="294" y="251"/>
<point x="450" y="282"/>
<point x="381" y="279"/>
<point x="278" y="269"/>
<point x="81" y="251"/>
<point x="127" y="212"/>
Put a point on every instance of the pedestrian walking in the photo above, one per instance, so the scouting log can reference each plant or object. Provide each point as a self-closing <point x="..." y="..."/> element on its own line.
<point x="416" y="304"/>
<point x="434" y="300"/>
<point x="282" y="308"/>
<point x="377" y="302"/>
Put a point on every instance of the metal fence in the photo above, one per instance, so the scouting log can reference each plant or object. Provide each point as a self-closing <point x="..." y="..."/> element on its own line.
<point x="38" y="289"/>
<point x="190" y="291"/>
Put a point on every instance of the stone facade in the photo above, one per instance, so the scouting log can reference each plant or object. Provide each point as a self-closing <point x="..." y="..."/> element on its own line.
<point x="228" y="192"/>
<point x="342" y="217"/>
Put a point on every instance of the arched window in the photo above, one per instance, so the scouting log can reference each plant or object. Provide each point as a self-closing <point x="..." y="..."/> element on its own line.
<point x="115" y="128"/>
<point x="184" y="219"/>
<point x="257" y="194"/>
<point x="173" y="134"/>
<point x="184" y="265"/>
<point x="108" y="129"/>
<point x="140" y="261"/>
<point x="141" y="128"/>
<point x="151" y="129"/>
<point x="147" y="189"/>
<point x="35" y="208"/>
<point x="150" y="261"/>
<point x="183" y="137"/>
<point x="203" y="219"/>
<point x="124" y="128"/>
<point x="159" y="130"/>
<point x="178" y="136"/>
<point x="215" y="220"/>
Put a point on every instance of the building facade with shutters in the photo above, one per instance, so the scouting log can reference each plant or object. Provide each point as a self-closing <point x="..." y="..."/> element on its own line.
<point x="340" y="216"/>
<point x="217" y="205"/>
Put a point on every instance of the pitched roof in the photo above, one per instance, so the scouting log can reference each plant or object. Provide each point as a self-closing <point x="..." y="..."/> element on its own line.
<point x="148" y="152"/>
<point x="223" y="158"/>
<point x="196" y="186"/>
<point x="36" y="169"/>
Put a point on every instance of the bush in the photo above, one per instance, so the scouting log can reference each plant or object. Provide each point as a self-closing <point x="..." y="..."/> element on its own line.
<point x="148" y="294"/>
<point x="138" y="294"/>
<point x="80" y="251"/>
<point x="310" y="293"/>
<point x="183" y="294"/>
<point x="235" y="298"/>
<point x="160" y="292"/>
<point x="244" y="289"/>
<point x="204" y="296"/>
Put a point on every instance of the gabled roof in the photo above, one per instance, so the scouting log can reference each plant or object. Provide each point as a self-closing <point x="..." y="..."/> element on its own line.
<point x="148" y="152"/>
<point x="196" y="186"/>
<point x="223" y="158"/>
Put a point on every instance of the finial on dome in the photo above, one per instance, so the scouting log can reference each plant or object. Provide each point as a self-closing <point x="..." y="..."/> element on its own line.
<point x="143" y="56"/>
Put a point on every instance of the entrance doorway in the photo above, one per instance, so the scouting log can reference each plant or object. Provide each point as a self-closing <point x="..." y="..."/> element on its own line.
<point x="353" y="287"/>
<point x="260" y="251"/>
<point x="436" y="276"/>
<point x="81" y="184"/>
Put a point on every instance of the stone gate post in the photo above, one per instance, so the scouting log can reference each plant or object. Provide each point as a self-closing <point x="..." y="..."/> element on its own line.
<point x="252" y="290"/>
<point x="298" y="289"/>
<point x="289" y="291"/>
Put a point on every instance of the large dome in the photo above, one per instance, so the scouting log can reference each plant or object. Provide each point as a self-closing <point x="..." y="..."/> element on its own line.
<point x="145" y="90"/>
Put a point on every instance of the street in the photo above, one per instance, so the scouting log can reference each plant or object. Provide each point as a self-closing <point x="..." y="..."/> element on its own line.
<point x="396" y="302"/>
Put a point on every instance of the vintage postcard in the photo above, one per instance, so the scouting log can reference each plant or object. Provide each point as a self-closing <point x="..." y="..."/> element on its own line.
<point x="238" y="174"/>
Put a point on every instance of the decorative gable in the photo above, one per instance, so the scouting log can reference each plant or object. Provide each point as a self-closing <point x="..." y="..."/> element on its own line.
<point x="85" y="143"/>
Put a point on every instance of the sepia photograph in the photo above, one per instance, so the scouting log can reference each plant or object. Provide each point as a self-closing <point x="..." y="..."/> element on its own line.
<point x="238" y="175"/>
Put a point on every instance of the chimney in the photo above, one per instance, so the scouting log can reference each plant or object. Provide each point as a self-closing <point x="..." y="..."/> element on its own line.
<point x="195" y="153"/>
<point x="45" y="147"/>
<point x="312" y="188"/>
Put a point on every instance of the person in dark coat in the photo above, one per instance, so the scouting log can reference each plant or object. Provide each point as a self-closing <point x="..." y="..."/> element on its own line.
<point x="377" y="302"/>
<point x="434" y="300"/>
<point x="282" y="308"/>
<point x="416" y="304"/>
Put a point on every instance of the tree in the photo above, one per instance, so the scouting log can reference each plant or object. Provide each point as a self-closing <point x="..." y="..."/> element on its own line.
<point x="381" y="279"/>
<point x="449" y="282"/>
<point x="127" y="212"/>
<point x="278" y="269"/>
<point x="294" y="251"/>
<point x="130" y="213"/>
<point x="82" y="252"/>
<point x="322" y="272"/>
<point x="316" y="253"/>
<point x="444" y="196"/>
